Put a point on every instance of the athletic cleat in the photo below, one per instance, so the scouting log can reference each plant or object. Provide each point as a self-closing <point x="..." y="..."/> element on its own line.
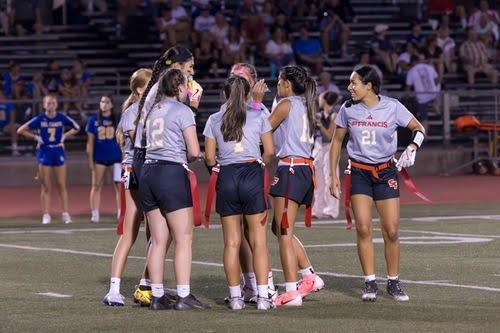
<point x="310" y="284"/>
<point x="290" y="298"/>
<point x="94" y="218"/>
<point x="273" y="293"/>
<point x="113" y="300"/>
<point x="265" y="303"/>
<point x="160" y="303"/>
<point x="249" y="295"/>
<point x="394" y="289"/>
<point x="190" y="302"/>
<point x="142" y="295"/>
<point x="236" y="303"/>
<point x="46" y="219"/>
<point x="66" y="218"/>
<point x="370" y="291"/>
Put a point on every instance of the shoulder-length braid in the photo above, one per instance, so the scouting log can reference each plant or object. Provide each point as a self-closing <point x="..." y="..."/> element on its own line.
<point x="302" y="85"/>
<point x="236" y="89"/>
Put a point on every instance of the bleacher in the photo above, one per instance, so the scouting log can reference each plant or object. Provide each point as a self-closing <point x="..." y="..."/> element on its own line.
<point x="111" y="61"/>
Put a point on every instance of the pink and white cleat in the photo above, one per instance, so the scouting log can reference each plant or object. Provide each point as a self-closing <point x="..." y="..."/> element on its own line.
<point x="310" y="284"/>
<point x="290" y="298"/>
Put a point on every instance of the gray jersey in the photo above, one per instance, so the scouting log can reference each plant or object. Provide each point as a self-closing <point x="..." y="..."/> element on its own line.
<point x="292" y="137"/>
<point x="127" y="124"/>
<point x="148" y="103"/>
<point x="373" y="136"/>
<point x="164" y="131"/>
<point x="257" y="123"/>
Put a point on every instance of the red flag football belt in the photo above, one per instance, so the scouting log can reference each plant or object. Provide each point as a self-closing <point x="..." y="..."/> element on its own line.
<point x="374" y="171"/>
<point x="123" y="204"/>
<point x="212" y="192"/>
<point x="292" y="161"/>
<point x="195" y="195"/>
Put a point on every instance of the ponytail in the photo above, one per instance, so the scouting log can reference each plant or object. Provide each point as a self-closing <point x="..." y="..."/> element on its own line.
<point x="310" y="94"/>
<point x="236" y="89"/>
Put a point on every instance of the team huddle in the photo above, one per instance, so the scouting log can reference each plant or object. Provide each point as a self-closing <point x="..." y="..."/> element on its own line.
<point x="157" y="136"/>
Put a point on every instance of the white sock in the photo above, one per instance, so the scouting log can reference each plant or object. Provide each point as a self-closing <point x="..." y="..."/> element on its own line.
<point x="396" y="277"/>
<point x="95" y="213"/>
<point x="263" y="290"/>
<point x="291" y="286"/>
<point x="235" y="291"/>
<point x="369" y="278"/>
<point x="157" y="289"/>
<point x="14" y="146"/>
<point x="270" y="280"/>
<point x="114" y="285"/>
<point x="145" y="282"/>
<point x="250" y="280"/>
<point x="183" y="290"/>
<point x="306" y="271"/>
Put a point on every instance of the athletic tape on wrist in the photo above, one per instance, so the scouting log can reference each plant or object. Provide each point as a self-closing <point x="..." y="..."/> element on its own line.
<point x="418" y="138"/>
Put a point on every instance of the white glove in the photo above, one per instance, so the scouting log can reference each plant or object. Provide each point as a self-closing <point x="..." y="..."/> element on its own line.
<point x="194" y="91"/>
<point x="407" y="158"/>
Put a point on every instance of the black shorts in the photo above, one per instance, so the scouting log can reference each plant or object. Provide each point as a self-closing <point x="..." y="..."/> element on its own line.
<point x="300" y="184"/>
<point x="106" y="163"/>
<point x="137" y="162"/>
<point x="386" y="187"/>
<point x="164" y="185"/>
<point x="240" y="189"/>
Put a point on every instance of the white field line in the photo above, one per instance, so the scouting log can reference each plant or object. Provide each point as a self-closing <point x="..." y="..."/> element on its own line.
<point x="50" y="294"/>
<point x="420" y="240"/>
<point x="213" y="264"/>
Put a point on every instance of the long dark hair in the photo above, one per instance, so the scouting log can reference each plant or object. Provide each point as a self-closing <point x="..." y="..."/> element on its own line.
<point x="169" y="84"/>
<point x="175" y="54"/>
<point x="367" y="74"/>
<point x="99" y="113"/>
<point x="302" y="84"/>
<point x="236" y="89"/>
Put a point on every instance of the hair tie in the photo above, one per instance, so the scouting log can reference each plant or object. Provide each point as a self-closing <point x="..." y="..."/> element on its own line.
<point x="168" y="62"/>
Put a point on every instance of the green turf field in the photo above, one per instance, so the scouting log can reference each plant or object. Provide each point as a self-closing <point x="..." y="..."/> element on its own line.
<point x="450" y="268"/>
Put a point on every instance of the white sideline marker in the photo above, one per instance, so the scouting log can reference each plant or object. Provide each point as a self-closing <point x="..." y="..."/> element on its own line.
<point x="49" y="294"/>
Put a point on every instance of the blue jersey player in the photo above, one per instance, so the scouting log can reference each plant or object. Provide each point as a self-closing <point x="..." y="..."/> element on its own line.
<point x="372" y="121"/>
<point x="103" y="151"/>
<point x="48" y="131"/>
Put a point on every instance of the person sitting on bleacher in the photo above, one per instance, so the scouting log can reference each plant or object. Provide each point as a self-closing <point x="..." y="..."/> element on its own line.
<point x="4" y="18"/>
<point x="26" y="16"/>
<point x="278" y="51"/>
<point x="52" y="76"/>
<point x="434" y="55"/>
<point x="69" y="90"/>
<point x="475" y="58"/>
<point x="8" y="124"/>
<point x="447" y="44"/>
<point x="416" y="36"/>
<point x="13" y="81"/>
<point x="82" y="78"/>
<point x="383" y="48"/>
<point x="404" y="61"/>
<point x="308" y="51"/>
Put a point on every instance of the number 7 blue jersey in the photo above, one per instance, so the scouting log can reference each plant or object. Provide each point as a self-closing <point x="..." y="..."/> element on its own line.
<point x="51" y="130"/>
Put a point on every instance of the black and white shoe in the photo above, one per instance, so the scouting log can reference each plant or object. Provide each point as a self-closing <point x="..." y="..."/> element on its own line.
<point x="370" y="291"/>
<point x="394" y="289"/>
<point x="190" y="302"/>
<point x="161" y="303"/>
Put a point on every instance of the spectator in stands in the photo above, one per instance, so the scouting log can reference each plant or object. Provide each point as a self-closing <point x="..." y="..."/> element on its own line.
<point x="207" y="56"/>
<point x="424" y="80"/>
<point x="326" y="84"/>
<point x="219" y="30"/>
<point x="205" y="21"/>
<point x="234" y="47"/>
<point x="308" y="51"/>
<point x="484" y="9"/>
<point x="38" y="86"/>
<point x="267" y="14"/>
<point x="183" y="26"/>
<point x="279" y="52"/>
<point x="52" y="76"/>
<point x="342" y="8"/>
<point x="447" y="44"/>
<point x="8" y="123"/>
<point x="486" y="30"/>
<point x="166" y="25"/>
<point x="69" y="90"/>
<point x="4" y="18"/>
<point x="13" y="81"/>
<point x="475" y="58"/>
<point x="82" y="77"/>
<point x="461" y="10"/>
<point x="281" y="21"/>
<point x="434" y="56"/>
<point x="334" y="33"/>
<point x="383" y="48"/>
<point x="253" y="31"/>
<point x="416" y="36"/>
<point x="404" y="61"/>
<point x="365" y="60"/>
<point x="439" y="8"/>
<point x="26" y="17"/>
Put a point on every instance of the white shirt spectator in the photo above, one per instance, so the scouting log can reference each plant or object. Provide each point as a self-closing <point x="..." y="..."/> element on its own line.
<point x="446" y="44"/>
<point x="204" y="23"/>
<point x="234" y="47"/>
<point x="474" y="18"/>
<point x="218" y="32"/>
<point x="179" y="13"/>
<point x="274" y="49"/>
<point x="423" y="79"/>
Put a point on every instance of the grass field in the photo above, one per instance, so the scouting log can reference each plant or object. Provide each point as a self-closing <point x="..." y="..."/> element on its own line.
<point x="450" y="268"/>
